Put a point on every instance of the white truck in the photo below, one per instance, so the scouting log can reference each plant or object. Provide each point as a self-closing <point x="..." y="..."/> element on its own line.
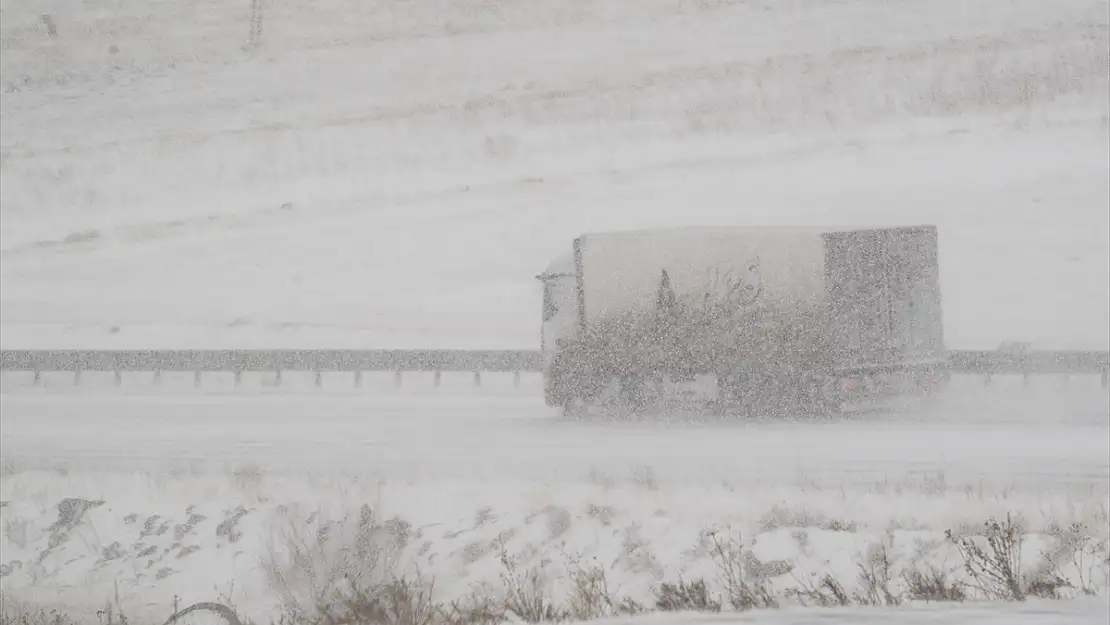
<point x="749" y="320"/>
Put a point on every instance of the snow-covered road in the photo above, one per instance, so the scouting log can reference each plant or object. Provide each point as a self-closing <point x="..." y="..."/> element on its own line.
<point x="1046" y="436"/>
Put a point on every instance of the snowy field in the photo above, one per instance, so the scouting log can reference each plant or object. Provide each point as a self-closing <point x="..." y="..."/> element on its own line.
<point x="321" y="192"/>
<point x="393" y="175"/>
<point x="188" y="495"/>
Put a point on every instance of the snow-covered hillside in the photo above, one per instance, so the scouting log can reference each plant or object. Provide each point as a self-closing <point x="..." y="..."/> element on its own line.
<point x="393" y="174"/>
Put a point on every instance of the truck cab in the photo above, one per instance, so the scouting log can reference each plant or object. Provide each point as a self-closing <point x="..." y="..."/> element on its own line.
<point x="560" y="317"/>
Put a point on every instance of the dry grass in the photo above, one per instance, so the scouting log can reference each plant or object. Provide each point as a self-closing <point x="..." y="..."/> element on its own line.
<point x="930" y="583"/>
<point x="357" y="578"/>
<point x="993" y="561"/>
<point x="683" y="596"/>
<point x="591" y="596"/>
<point x="822" y="591"/>
<point x="526" y="594"/>
<point x="745" y="588"/>
<point x="876" y="578"/>
<point x="10" y="616"/>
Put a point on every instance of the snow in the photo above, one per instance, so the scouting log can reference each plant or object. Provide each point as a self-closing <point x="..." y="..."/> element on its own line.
<point x="419" y="432"/>
<point x="393" y="175"/>
<point x="452" y="271"/>
<point x="203" y="197"/>
<point x="1088" y="611"/>
<point x="467" y="467"/>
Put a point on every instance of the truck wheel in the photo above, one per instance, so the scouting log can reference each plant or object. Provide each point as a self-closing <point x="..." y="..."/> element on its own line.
<point x="549" y="396"/>
<point x="633" y="393"/>
<point x="575" y="408"/>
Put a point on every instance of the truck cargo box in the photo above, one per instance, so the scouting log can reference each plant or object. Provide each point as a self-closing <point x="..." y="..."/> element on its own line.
<point x="620" y="274"/>
<point x="864" y="297"/>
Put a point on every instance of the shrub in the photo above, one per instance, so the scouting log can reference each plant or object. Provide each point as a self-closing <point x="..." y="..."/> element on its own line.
<point x="729" y="557"/>
<point x="590" y="596"/>
<point x="994" y="568"/>
<point x="875" y="576"/>
<point x="826" y="592"/>
<point x="685" y="597"/>
<point x="932" y="584"/>
<point x="343" y="571"/>
<point x="526" y="595"/>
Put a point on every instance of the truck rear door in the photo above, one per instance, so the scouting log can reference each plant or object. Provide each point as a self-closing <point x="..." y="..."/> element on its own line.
<point x="885" y="296"/>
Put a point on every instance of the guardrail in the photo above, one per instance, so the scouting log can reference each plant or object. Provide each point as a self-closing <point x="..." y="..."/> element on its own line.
<point x="987" y="363"/>
<point x="237" y="362"/>
<point x="998" y="362"/>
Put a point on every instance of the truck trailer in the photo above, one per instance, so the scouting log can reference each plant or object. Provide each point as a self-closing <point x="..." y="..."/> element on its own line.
<point x="769" y="320"/>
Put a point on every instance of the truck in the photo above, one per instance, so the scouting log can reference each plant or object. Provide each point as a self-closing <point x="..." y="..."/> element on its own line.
<point x="744" y="321"/>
